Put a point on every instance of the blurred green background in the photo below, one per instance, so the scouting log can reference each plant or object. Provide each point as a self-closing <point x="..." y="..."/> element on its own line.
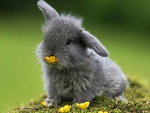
<point x="123" y="26"/>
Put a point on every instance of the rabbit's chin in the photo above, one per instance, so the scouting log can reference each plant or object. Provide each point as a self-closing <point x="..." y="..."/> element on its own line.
<point x="58" y="65"/>
<point x="63" y="65"/>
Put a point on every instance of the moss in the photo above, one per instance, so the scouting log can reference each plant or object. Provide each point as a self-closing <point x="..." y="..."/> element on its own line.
<point x="138" y="96"/>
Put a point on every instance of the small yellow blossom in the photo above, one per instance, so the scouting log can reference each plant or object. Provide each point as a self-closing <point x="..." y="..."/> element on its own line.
<point x="43" y="103"/>
<point x="65" y="109"/>
<point x="51" y="60"/>
<point x="102" y="112"/>
<point x="105" y="112"/>
<point x="83" y="105"/>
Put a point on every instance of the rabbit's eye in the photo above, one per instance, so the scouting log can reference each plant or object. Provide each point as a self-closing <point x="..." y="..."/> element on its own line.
<point x="68" y="41"/>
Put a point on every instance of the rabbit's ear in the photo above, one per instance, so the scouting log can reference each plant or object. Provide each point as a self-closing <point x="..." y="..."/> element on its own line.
<point x="48" y="11"/>
<point x="92" y="42"/>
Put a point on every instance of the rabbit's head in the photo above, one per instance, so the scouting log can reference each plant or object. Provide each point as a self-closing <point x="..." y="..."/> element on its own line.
<point x="65" y="39"/>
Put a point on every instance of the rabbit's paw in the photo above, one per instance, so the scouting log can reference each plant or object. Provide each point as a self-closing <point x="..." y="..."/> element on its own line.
<point x="121" y="98"/>
<point x="51" y="102"/>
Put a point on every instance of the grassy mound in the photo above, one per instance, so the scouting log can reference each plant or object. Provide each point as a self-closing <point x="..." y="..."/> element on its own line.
<point x="138" y="96"/>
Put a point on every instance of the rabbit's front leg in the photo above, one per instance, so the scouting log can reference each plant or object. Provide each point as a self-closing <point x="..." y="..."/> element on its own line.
<point x="83" y="96"/>
<point x="52" y="96"/>
<point x="52" y="101"/>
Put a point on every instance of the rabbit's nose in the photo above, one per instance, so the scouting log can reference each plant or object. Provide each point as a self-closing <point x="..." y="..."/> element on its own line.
<point x="51" y="52"/>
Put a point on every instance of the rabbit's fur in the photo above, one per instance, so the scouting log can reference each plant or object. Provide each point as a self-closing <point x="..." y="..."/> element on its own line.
<point x="83" y="69"/>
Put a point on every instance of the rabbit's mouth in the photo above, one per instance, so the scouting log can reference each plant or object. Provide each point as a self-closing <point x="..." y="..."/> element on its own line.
<point x="51" y="60"/>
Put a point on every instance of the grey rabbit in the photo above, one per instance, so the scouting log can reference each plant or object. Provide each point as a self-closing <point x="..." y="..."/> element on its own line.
<point x="83" y="69"/>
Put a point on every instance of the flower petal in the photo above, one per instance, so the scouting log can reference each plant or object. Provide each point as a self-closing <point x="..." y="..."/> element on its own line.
<point x="105" y="112"/>
<point x="100" y="111"/>
<point x="43" y="103"/>
<point x="51" y="59"/>
<point x="83" y="105"/>
<point x="61" y="110"/>
<point x="65" y="109"/>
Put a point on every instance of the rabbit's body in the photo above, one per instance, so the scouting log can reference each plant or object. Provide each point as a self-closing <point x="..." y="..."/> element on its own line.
<point x="83" y="69"/>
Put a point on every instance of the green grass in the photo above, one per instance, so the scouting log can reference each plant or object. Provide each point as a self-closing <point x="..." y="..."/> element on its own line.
<point x="20" y="79"/>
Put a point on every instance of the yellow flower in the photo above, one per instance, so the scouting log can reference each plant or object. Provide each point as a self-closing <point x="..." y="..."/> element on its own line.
<point x="102" y="112"/>
<point x="83" y="105"/>
<point x="65" y="109"/>
<point x="43" y="103"/>
<point x="51" y="59"/>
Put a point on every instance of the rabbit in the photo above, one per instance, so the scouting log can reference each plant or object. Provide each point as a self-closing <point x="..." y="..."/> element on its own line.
<point x="83" y="69"/>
